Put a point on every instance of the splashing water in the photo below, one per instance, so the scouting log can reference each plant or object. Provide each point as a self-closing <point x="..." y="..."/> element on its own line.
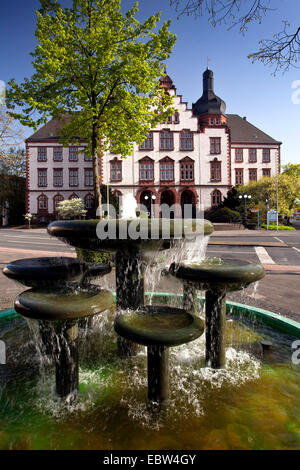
<point x="129" y="207"/>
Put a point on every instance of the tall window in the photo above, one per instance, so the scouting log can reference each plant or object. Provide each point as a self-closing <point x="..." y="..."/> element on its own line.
<point x="57" y="177"/>
<point x="57" y="154"/>
<point x="115" y="170"/>
<point x="239" y="176"/>
<point x="266" y="172"/>
<point x="89" y="201"/>
<point x="252" y="155"/>
<point x="146" y="170"/>
<point x="42" y="177"/>
<point x="238" y="155"/>
<point x="187" y="170"/>
<point x="215" y="145"/>
<point x="216" y="198"/>
<point x="166" y="140"/>
<point x="56" y="200"/>
<point x="252" y="174"/>
<point x="73" y="176"/>
<point x="186" y="140"/>
<point x="42" y="202"/>
<point x="88" y="177"/>
<point x="176" y="118"/>
<point x="266" y="155"/>
<point x="166" y="170"/>
<point x="42" y="154"/>
<point x="148" y="143"/>
<point x="215" y="170"/>
<point x="73" y="154"/>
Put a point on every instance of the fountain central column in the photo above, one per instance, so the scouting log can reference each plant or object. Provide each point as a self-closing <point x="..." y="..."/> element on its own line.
<point x="130" y="291"/>
<point x="215" y="320"/>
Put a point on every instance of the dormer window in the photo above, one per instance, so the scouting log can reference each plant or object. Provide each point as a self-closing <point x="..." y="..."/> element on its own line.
<point x="218" y="121"/>
<point x="212" y="121"/>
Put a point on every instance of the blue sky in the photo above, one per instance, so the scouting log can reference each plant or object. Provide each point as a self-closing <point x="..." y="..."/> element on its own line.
<point x="248" y="89"/>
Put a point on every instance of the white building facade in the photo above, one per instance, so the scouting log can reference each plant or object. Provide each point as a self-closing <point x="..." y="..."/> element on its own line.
<point x="193" y="158"/>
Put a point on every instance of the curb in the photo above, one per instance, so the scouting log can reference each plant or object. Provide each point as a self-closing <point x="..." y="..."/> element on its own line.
<point x="276" y="321"/>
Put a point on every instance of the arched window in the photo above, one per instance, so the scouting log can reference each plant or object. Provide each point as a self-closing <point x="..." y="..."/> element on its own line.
<point x="89" y="201"/>
<point x="166" y="140"/>
<point x="42" y="202"/>
<point x="166" y="169"/>
<point x="186" y="140"/>
<point x="56" y="200"/>
<point x="186" y="169"/>
<point x="146" y="169"/>
<point x="216" y="198"/>
<point x="73" y="196"/>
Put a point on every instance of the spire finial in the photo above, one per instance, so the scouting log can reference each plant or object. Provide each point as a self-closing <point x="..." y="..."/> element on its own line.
<point x="208" y="60"/>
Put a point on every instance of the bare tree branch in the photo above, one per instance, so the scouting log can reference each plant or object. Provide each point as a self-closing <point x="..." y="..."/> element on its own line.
<point x="282" y="51"/>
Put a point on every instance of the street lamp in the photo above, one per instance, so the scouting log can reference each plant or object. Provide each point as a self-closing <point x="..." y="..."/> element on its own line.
<point x="245" y="197"/>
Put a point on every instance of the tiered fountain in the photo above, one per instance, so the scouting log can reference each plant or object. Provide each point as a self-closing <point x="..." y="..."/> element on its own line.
<point x="59" y="297"/>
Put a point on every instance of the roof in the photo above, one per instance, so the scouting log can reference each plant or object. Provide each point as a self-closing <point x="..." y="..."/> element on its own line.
<point x="243" y="131"/>
<point x="50" y="131"/>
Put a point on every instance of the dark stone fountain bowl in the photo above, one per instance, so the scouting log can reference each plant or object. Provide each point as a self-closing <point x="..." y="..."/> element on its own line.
<point x="159" y="326"/>
<point x="127" y="234"/>
<point x="219" y="274"/>
<point x="42" y="304"/>
<point x="53" y="272"/>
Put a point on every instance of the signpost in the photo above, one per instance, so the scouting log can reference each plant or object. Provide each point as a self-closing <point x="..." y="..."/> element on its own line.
<point x="272" y="216"/>
<point x="256" y="210"/>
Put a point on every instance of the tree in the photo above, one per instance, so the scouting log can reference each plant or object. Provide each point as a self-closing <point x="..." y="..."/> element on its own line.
<point x="265" y="188"/>
<point x="13" y="162"/>
<point x="281" y="51"/>
<point x="291" y="169"/>
<point x="11" y="133"/>
<point x="71" y="208"/>
<point x="98" y="71"/>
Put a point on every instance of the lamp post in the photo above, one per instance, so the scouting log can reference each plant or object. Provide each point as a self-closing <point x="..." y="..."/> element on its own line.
<point x="245" y="197"/>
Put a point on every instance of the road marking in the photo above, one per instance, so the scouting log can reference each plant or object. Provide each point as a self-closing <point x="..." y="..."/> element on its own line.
<point x="36" y="243"/>
<point x="231" y="251"/>
<point x="281" y="241"/>
<point x="263" y="255"/>
<point x="297" y="249"/>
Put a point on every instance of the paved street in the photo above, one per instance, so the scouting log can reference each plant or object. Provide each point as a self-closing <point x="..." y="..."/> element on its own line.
<point x="279" y="291"/>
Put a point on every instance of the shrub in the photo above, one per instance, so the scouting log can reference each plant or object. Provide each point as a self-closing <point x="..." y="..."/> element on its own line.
<point x="280" y="227"/>
<point x="92" y="256"/>
<point x="223" y="214"/>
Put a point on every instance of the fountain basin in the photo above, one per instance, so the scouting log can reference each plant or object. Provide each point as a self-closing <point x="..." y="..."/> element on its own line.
<point x="41" y="304"/>
<point x="215" y="410"/>
<point x="215" y="274"/>
<point x="124" y="234"/>
<point x="160" y="326"/>
<point x="52" y="272"/>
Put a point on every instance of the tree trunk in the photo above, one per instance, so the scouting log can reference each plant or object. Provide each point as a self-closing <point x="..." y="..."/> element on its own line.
<point x="95" y="154"/>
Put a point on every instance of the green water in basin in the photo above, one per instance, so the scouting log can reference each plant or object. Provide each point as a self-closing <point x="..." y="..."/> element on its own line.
<point x="251" y="404"/>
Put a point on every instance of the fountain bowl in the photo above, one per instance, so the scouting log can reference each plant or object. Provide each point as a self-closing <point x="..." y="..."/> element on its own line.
<point x="42" y="304"/>
<point x="218" y="274"/>
<point x="159" y="326"/>
<point x="52" y="272"/>
<point x="114" y="235"/>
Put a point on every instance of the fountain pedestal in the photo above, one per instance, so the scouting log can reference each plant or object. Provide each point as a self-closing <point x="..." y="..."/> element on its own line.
<point x="59" y="313"/>
<point x="215" y="276"/>
<point x="158" y="328"/>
